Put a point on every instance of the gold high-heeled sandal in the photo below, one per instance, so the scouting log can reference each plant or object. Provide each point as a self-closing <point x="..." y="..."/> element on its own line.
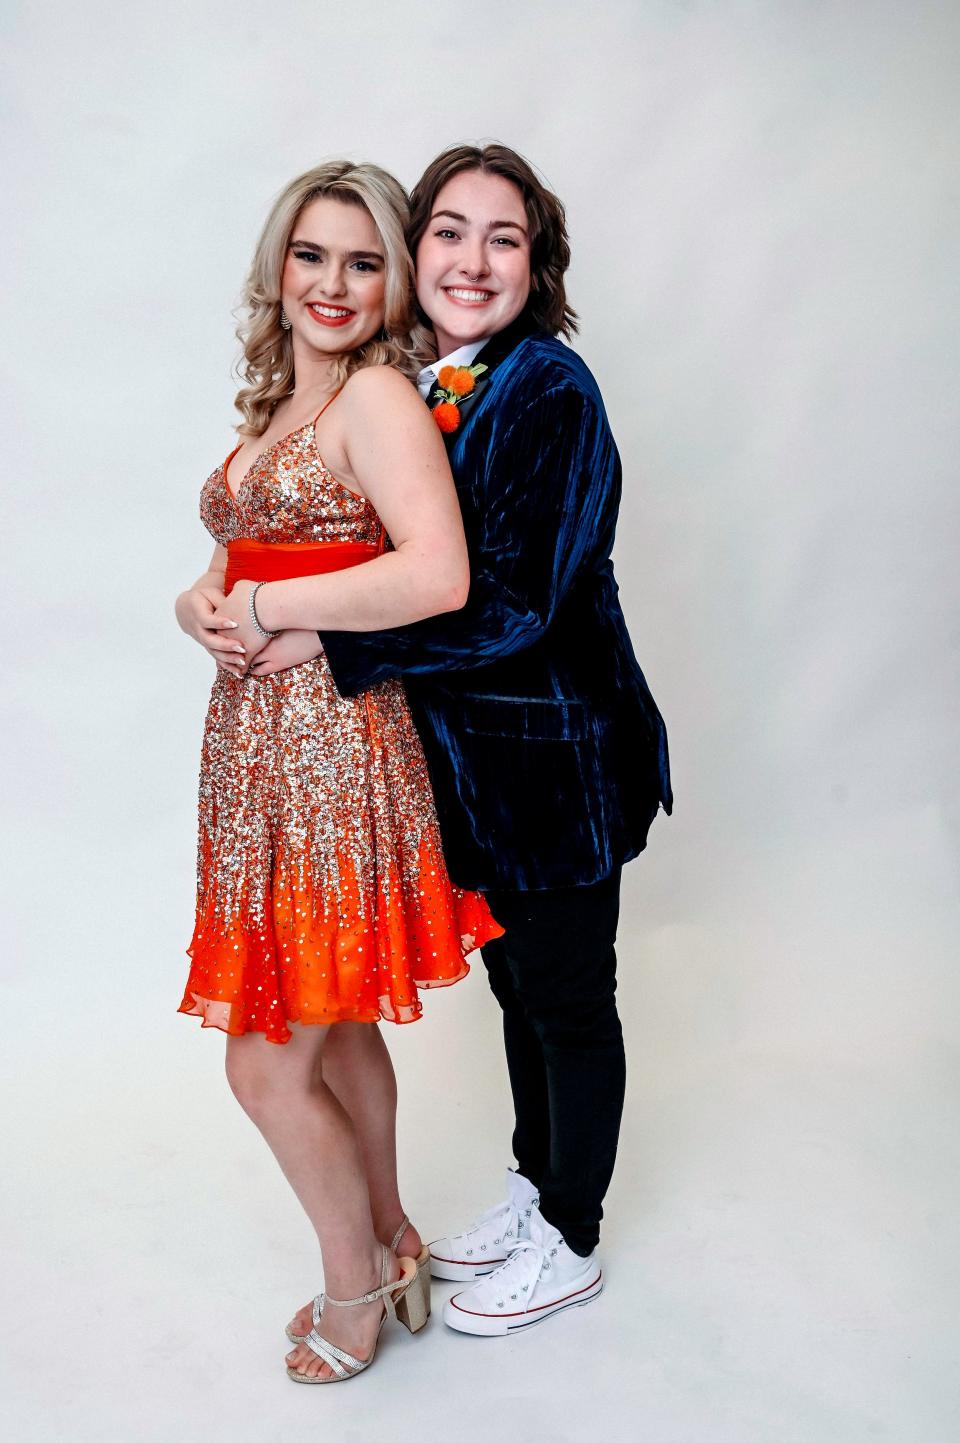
<point x="422" y="1283"/>
<point x="405" y="1309"/>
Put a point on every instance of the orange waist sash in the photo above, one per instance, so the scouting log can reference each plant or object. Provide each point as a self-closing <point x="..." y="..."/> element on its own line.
<point x="280" y="560"/>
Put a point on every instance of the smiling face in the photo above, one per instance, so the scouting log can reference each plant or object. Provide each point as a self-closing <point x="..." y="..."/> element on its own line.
<point x="334" y="279"/>
<point x="473" y="262"/>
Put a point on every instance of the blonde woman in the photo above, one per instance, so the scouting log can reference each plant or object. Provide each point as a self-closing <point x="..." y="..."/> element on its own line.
<point x="323" y="898"/>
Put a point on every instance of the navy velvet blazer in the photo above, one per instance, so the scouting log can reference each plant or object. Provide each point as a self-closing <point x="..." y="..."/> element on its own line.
<point x="547" y="752"/>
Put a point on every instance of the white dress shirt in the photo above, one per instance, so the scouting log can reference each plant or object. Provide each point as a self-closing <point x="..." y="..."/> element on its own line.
<point x="464" y="356"/>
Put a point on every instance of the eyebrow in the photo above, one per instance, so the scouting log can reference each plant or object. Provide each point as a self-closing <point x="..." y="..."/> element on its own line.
<point x="351" y="255"/>
<point x="494" y="224"/>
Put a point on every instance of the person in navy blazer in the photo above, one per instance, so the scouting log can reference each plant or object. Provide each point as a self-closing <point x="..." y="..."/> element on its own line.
<point x="547" y="753"/>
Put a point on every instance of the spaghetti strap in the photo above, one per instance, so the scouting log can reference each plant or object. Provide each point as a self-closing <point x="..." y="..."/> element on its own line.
<point x="325" y="405"/>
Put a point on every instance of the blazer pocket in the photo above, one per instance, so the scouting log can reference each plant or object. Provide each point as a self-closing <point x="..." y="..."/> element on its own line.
<point x="529" y="778"/>
<point x="525" y="718"/>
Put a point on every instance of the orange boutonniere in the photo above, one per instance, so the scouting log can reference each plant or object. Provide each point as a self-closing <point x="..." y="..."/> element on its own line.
<point x="454" y="384"/>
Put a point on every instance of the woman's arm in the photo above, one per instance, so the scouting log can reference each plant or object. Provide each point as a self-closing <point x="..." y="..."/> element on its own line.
<point x="547" y="513"/>
<point x="196" y="613"/>
<point x="395" y="452"/>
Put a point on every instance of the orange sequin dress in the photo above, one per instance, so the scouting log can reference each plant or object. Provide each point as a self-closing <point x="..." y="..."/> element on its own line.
<point x="322" y="893"/>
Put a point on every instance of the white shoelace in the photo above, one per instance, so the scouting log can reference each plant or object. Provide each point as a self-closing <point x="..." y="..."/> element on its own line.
<point x="509" y="1233"/>
<point x="516" y="1280"/>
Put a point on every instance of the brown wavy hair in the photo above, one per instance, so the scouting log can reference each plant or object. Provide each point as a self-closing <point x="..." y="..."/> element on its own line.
<point x="267" y="362"/>
<point x="548" y="306"/>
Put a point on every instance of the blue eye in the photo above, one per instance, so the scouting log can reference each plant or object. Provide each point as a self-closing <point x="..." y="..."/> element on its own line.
<point x="306" y="256"/>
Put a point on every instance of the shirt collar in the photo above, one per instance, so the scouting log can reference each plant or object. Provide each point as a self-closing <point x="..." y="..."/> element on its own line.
<point x="463" y="356"/>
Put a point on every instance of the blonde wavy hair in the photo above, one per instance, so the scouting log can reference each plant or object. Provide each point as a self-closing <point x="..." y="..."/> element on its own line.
<point x="267" y="363"/>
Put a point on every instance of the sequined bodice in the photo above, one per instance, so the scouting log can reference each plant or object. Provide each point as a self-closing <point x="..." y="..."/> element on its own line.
<point x="287" y="495"/>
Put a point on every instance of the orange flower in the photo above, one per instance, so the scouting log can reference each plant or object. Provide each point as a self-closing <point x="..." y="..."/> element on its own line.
<point x="461" y="383"/>
<point x="445" y="375"/>
<point x="446" y="415"/>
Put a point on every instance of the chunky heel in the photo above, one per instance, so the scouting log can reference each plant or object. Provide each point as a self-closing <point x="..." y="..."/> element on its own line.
<point x="423" y="1277"/>
<point x="420" y="1284"/>
<point x="413" y="1306"/>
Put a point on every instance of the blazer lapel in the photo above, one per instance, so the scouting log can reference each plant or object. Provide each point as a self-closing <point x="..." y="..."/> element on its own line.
<point x="497" y="349"/>
<point x="499" y="346"/>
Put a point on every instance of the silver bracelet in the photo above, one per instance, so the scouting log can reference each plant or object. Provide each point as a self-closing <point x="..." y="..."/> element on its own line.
<point x="253" y="613"/>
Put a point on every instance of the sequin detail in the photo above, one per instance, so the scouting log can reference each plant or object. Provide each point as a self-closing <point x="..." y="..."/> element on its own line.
<point x="288" y="494"/>
<point x="322" y="893"/>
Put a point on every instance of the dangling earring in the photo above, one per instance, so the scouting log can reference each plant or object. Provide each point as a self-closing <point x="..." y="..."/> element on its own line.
<point x="284" y="322"/>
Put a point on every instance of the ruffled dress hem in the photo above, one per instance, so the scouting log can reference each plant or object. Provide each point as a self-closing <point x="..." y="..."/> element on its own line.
<point x="202" y="1007"/>
<point x="247" y="980"/>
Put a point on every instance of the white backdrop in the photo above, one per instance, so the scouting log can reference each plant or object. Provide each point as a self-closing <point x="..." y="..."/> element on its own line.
<point x="763" y="206"/>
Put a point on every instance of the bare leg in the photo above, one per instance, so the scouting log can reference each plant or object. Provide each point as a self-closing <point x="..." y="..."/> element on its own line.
<point x="313" y="1140"/>
<point x="357" y="1069"/>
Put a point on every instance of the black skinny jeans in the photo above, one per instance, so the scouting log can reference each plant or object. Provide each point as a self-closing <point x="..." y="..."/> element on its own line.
<point x="554" y="976"/>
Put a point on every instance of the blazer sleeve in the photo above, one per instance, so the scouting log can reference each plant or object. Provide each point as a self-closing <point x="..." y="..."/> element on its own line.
<point x="547" y="508"/>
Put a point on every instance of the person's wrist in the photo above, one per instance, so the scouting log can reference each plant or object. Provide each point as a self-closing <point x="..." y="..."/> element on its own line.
<point x="260" y="624"/>
<point x="267" y="607"/>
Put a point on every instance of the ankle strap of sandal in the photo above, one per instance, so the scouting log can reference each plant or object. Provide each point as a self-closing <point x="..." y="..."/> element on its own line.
<point x="367" y="1297"/>
<point x="383" y="1291"/>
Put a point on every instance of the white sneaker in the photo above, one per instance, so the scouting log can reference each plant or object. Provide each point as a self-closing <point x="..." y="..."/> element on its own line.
<point x="542" y="1276"/>
<point x="487" y="1242"/>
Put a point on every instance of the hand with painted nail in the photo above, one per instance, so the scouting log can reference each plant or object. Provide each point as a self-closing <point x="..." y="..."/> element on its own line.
<point x="234" y="612"/>
<point x="196" y="613"/>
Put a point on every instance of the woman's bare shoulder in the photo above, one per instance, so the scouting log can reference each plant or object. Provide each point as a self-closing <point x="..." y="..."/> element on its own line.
<point x="380" y="384"/>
